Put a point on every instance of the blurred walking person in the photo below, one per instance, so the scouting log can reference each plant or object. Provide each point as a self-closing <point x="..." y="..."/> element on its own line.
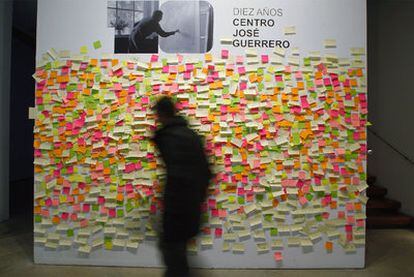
<point x="188" y="176"/>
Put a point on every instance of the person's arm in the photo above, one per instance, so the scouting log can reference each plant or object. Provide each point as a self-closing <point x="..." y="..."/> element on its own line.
<point x="163" y="33"/>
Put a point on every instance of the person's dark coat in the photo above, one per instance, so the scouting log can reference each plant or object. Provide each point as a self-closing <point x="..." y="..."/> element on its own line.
<point x="138" y="39"/>
<point x="188" y="176"/>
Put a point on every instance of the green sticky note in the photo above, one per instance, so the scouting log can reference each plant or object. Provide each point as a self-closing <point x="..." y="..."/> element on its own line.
<point x="71" y="87"/>
<point x="97" y="44"/>
<point x="38" y="219"/>
<point x="129" y="207"/>
<point x="318" y="217"/>
<point x="259" y="197"/>
<point x="69" y="232"/>
<point x="240" y="200"/>
<point x="268" y="218"/>
<point x="296" y="138"/>
<point x="48" y="66"/>
<point x="273" y="232"/>
<point x="119" y="213"/>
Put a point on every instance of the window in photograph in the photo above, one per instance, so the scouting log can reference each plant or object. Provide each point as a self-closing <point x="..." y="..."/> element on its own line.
<point x="122" y="15"/>
<point x="195" y="22"/>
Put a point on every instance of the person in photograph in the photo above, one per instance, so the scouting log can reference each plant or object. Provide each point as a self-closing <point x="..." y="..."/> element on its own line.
<point x="188" y="177"/>
<point x="142" y="40"/>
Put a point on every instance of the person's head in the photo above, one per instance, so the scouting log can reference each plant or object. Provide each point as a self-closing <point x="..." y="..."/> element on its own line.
<point x="157" y="15"/>
<point x="165" y="109"/>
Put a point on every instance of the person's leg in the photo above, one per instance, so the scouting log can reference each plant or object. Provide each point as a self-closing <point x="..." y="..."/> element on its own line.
<point x="175" y="258"/>
<point x="131" y="47"/>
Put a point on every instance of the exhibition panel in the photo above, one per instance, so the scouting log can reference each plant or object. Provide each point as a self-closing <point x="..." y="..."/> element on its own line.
<point x="277" y="89"/>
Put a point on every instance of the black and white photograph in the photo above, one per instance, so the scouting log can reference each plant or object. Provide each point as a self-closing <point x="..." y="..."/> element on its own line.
<point x="175" y="27"/>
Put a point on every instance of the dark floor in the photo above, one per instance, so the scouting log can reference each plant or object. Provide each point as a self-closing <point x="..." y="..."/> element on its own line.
<point x="389" y="253"/>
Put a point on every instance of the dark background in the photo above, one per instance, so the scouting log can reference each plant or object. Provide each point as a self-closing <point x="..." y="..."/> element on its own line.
<point x="21" y="98"/>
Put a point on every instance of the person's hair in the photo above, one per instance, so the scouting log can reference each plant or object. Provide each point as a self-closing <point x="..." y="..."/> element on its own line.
<point x="157" y="14"/>
<point x="165" y="107"/>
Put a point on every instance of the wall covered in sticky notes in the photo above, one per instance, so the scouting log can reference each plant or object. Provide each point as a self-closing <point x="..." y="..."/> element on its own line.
<point x="284" y="129"/>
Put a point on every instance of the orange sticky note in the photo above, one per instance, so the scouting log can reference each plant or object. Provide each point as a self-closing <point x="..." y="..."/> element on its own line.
<point x="328" y="246"/>
<point x="120" y="197"/>
<point x="208" y="57"/>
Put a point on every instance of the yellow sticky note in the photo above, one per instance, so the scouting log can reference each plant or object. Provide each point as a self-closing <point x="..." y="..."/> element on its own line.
<point x="84" y="50"/>
<point x="290" y="30"/>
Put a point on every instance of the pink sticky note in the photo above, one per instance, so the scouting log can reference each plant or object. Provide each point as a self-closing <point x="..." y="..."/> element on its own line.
<point x="154" y="58"/>
<point x="187" y="75"/>
<point x="321" y="67"/>
<point x="129" y="168"/>
<point x="189" y="67"/>
<point x="304" y="102"/>
<point x="101" y="200"/>
<point x="153" y="209"/>
<point x="303" y="201"/>
<point x="278" y="256"/>
<point x="84" y="223"/>
<point x="224" y="54"/>
<point x="76" y="208"/>
<point x="65" y="216"/>
<point x="279" y="78"/>
<point x="360" y="222"/>
<point x="241" y="70"/>
<point x="350" y="220"/>
<point x="298" y="75"/>
<point x="180" y="58"/>
<point x="129" y="187"/>
<point x="265" y="58"/>
<point x="66" y="191"/>
<point x="223" y="213"/>
<point x="74" y="217"/>
<point x="218" y="232"/>
<point x="86" y="208"/>
<point x="165" y="69"/>
<point x="111" y="212"/>
<point x="349" y="207"/>
<point x="48" y="202"/>
<point x="144" y="100"/>
<point x="318" y="82"/>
